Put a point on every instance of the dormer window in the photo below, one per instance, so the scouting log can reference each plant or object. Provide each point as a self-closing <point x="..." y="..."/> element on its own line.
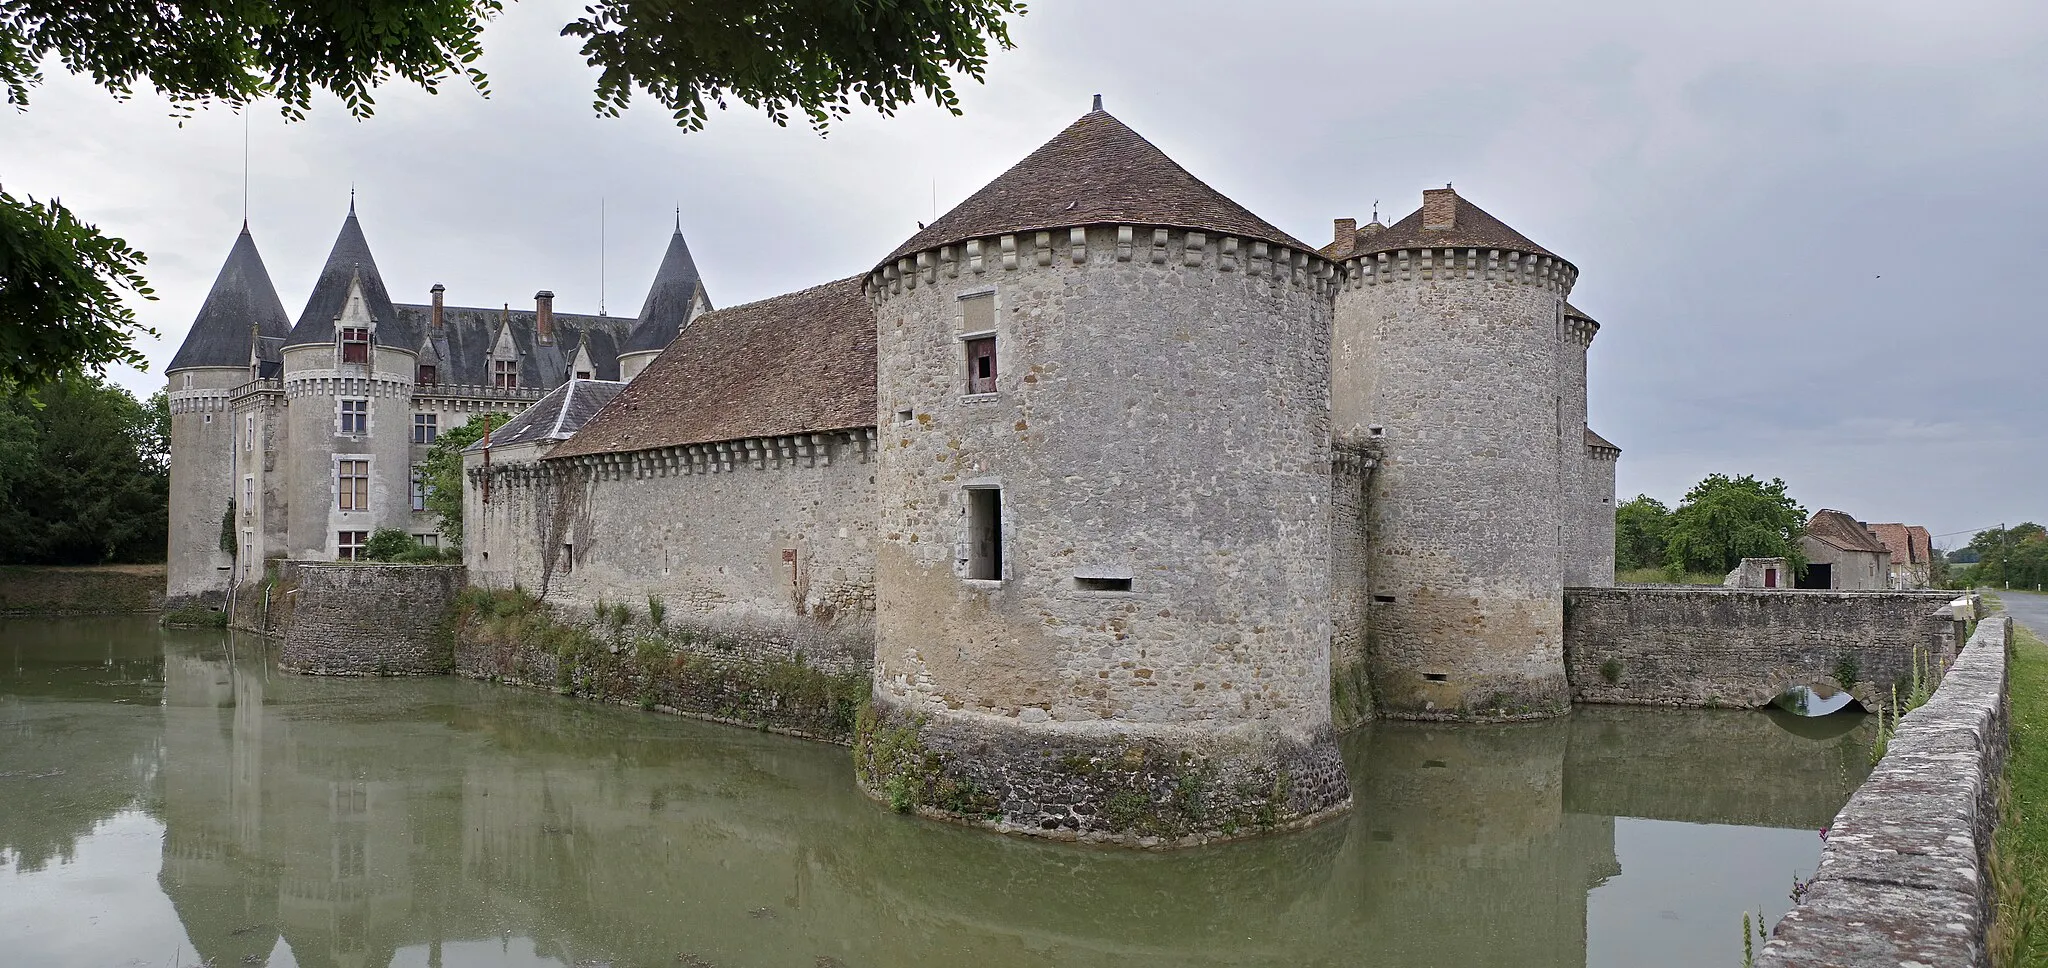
<point x="505" y="373"/>
<point x="355" y="345"/>
<point x="429" y="373"/>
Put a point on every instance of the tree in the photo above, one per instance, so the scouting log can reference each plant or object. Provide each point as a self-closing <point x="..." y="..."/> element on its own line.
<point x="59" y="305"/>
<point x="76" y="483"/>
<point x="442" y="471"/>
<point x="2015" y="556"/>
<point x="1641" y="529"/>
<point x="1724" y="520"/>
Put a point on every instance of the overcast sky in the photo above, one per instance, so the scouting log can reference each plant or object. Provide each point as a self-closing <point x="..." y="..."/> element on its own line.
<point x="1813" y="232"/>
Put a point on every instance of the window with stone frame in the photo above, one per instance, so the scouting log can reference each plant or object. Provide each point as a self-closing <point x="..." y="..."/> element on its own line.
<point x="505" y="373"/>
<point x="352" y="485"/>
<point x="428" y="373"/>
<point x="419" y="487"/>
<point x="425" y="427"/>
<point x="985" y="533"/>
<point x="978" y="336"/>
<point x="355" y="344"/>
<point x="354" y="418"/>
<point x="348" y="545"/>
<point x="981" y="365"/>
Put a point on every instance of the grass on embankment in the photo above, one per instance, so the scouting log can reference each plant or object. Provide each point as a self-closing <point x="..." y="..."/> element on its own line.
<point x="81" y="589"/>
<point x="2020" y="860"/>
<point x="1660" y="576"/>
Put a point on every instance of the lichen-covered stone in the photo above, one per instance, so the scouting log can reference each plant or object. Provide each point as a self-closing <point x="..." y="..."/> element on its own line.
<point x="371" y="620"/>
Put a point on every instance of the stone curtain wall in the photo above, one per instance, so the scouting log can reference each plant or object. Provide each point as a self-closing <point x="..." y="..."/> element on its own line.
<point x="794" y="676"/>
<point x="1903" y="880"/>
<point x="1702" y="646"/>
<point x="762" y="543"/>
<point x="359" y="620"/>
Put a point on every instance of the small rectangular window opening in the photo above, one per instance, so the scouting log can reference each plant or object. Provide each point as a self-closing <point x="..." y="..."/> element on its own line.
<point x="1384" y="599"/>
<point x="985" y="533"/>
<point x="568" y="557"/>
<point x="429" y="374"/>
<point x="355" y="345"/>
<point x="981" y="365"/>
<point x="349" y="544"/>
<point x="355" y="417"/>
<point x="1102" y="584"/>
<point x="1436" y="677"/>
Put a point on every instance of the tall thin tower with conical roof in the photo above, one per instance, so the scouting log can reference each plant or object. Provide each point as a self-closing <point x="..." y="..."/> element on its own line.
<point x="214" y="359"/>
<point x="676" y="297"/>
<point x="350" y="365"/>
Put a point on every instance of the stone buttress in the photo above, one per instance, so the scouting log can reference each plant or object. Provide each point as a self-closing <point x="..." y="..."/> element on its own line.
<point x="1102" y="589"/>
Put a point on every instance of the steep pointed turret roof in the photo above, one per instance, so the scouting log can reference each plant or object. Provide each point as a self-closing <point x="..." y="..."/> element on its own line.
<point x="1097" y="171"/>
<point x="676" y="285"/>
<point x="242" y="297"/>
<point x="1446" y="218"/>
<point x="350" y="258"/>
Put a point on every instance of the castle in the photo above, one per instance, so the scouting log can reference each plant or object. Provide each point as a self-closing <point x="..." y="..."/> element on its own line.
<point x="1110" y="482"/>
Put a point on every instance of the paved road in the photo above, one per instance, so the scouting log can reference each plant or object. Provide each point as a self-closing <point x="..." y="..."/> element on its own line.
<point x="2030" y="608"/>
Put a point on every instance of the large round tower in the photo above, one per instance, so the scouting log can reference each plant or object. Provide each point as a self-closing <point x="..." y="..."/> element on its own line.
<point x="1102" y="591"/>
<point x="214" y="359"/>
<point x="349" y="369"/>
<point x="1452" y="327"/>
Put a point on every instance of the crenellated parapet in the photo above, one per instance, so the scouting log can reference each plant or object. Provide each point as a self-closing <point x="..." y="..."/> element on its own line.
<point x="1606" y="452"/>
<point x="1452" y="262"/>
<point x="333" y="383"/>
<point x="453" y="396"/>
<point x="1580" y="330"/>
<point x="789" y="451"/>
<point x="200" y="401"/>
<point x="1281" y="265"/>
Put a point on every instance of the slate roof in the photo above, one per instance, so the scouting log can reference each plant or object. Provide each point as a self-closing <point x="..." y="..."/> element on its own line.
<point x="350" y="258"/>
<point x="796" y="363"/>
<point x="1842" y="531"/>
<point x="1471" y="227"/>
<point x="1097" y="171"/>
<point x="242" y="300"/>
<point x="1595" y="440"/>
<point x="468" y="334"/>
<point x="556" y="416"/>
<point x="1575" y="312"/>
<point x="676" y="285"/>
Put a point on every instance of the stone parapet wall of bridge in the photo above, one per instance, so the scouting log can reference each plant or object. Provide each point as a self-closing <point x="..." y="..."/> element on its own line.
<point x="1729" y="647"/>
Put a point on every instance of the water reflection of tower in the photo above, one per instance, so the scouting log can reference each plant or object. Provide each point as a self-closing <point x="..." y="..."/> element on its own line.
<point x="214" y="870"/>
<point x="1470" y="857"/>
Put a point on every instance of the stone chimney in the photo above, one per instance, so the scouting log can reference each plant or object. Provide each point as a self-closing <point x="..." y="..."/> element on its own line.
<point x="544" y="317"/>
<point x="1440" y="208"/>
<point x="438" y="290"/>
<point x="1346" y="231"/>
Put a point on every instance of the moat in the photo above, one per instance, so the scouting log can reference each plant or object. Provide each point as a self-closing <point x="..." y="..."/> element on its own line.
<point x="168" y="797"/>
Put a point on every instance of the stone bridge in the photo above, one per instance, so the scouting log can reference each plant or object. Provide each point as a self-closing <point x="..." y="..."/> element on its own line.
<point x="1736" y="647"/>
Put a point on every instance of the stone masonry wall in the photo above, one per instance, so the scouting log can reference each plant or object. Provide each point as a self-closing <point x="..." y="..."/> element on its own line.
<point x="355" y="620"/>
<point x="1704" y="646"/>
<point x="749" y="550"/>
<point x="1903" y="878"/>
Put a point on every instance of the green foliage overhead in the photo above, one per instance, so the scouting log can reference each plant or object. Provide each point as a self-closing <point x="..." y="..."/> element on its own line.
<point x="60" y="279"/>
<point x="443" y="472"/>
<point x="1724" y="520"/>
<point x="1642" y="526"/>
<point x="60" y="290"/>
<point x="82" y="477"/>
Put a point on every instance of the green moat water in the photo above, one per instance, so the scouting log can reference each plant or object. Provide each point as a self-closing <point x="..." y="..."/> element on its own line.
<point x="170" y="798"/>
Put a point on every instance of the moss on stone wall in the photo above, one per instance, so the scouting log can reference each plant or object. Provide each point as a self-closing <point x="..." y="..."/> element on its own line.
<point x="35" y="590"/>
<point x="511" y="636"/>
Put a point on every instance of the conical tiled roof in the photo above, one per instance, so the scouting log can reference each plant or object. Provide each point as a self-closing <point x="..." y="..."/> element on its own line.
<point x="1469" y="226"/>
<point x="676" y="285"/>
<point x="350" y="258"/>
<point x="242" y="297"/>
<point x="1097" y="171"/>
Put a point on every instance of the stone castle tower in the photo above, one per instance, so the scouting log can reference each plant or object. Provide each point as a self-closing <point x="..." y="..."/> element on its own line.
<point x="1103" y="480"/>
<point x="1457" y="364"/>
<point x="240" y="310"/>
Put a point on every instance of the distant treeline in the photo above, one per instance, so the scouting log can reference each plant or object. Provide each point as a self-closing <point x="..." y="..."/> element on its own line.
<point x="1721" y="521"/>
<point x="84" y="474"/>
<point x="2017" y="556"/>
